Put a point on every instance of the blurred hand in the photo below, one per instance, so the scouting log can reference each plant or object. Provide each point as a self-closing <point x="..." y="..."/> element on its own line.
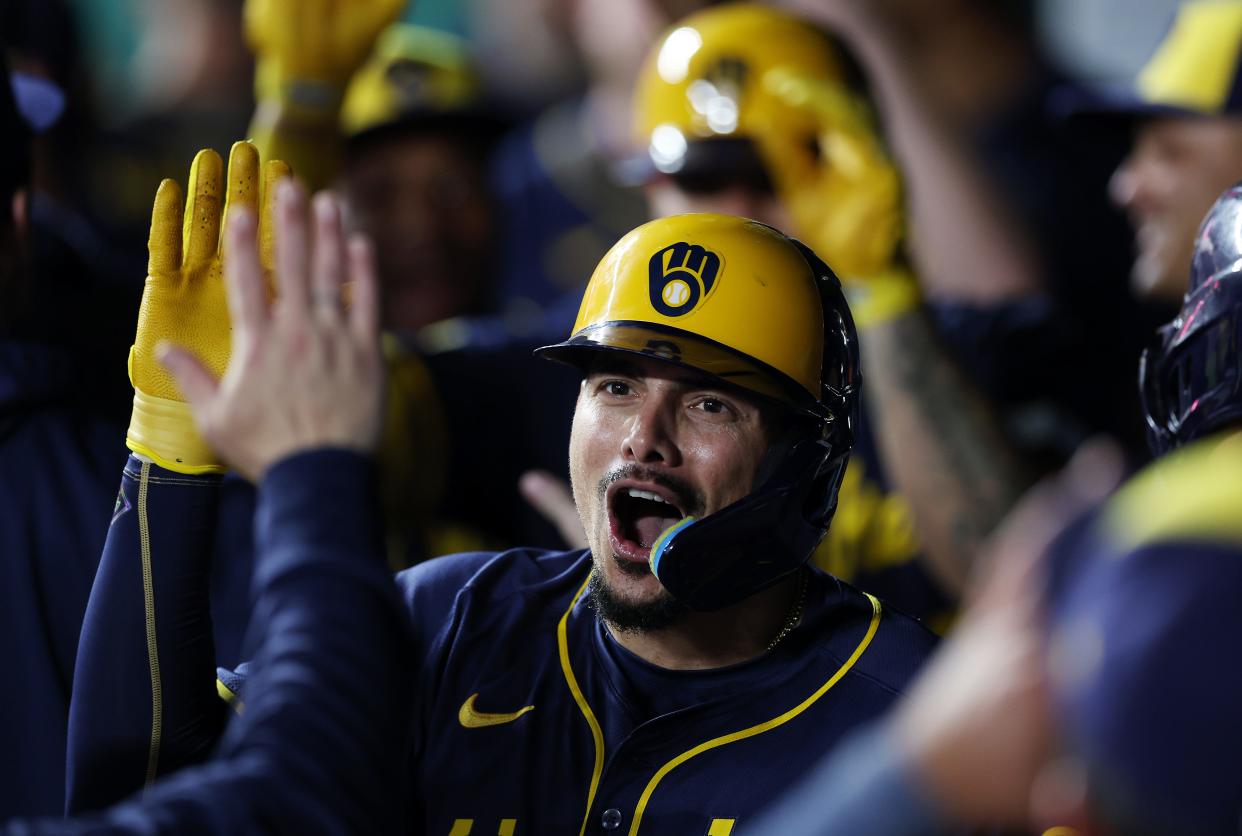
<point x="306" y="50"/>
<point x="551" y="497"/>
<point x="845" y="201"/>
<point x="304" y="373"/>
<point x="184" y="298"/>
<point x="977" y="727"/>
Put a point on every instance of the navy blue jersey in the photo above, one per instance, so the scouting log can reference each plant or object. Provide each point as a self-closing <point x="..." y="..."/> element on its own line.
<point x="528" y="715"/>
<point x="528" y="718"/>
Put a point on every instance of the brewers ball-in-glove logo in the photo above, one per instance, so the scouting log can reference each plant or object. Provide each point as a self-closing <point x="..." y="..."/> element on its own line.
<point x="681" y="276"/>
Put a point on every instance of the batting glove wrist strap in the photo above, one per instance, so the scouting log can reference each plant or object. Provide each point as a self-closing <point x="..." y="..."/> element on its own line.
<point x="163" y="430"/>
<point x="882" y="298"/>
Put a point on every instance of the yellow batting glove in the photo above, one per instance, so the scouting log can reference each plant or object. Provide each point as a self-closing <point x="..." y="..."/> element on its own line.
<point x="184" y="302"/>
<point x="843" y="197"/>
<point x="306" y="50"/>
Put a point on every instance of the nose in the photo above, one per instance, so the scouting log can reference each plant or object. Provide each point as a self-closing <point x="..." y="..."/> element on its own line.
<point x="651" y="438"/>
<point x="1130" y="186"/>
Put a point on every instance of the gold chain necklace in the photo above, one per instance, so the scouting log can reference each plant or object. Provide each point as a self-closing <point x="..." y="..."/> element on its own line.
<point x="795" y="612"/>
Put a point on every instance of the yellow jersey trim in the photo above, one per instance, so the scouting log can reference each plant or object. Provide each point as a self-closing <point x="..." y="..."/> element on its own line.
<point x="230" y="696"/>
<point x="1191" y="494"/>
<point x="597" y="734"/>
<point x="148" y="607"/>
<point x="762" y="727"/>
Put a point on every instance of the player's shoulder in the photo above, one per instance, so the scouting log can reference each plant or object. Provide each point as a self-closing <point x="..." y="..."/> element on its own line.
<point x="1191" y="494"/>
<point x="888" y="647"/>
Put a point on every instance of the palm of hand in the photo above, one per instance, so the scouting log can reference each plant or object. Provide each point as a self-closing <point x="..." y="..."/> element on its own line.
<point x="184" y="300"/>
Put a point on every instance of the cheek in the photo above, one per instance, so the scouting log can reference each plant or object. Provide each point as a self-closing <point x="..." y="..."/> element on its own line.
<point x="729" y="463"/>
<point x="583" y="476"/>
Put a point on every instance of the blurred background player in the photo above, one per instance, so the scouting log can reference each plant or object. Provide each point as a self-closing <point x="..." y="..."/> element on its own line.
<point x="1016" y="247"/>
<point x="406" y="132"/>
<point x="54" y="472"/>
<point x="1183" y="110"/>
<point x="751" y="110"/>
<point x="1102" y="707"/>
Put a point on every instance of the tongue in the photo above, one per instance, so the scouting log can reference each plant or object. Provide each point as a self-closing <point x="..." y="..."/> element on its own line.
<point x="650" y="526"/>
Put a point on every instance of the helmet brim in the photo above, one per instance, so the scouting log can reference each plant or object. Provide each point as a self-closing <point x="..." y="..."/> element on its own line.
<point x="731" y="368"/>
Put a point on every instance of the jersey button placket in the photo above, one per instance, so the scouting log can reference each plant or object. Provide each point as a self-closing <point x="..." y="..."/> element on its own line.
<point x="611" y="820"/>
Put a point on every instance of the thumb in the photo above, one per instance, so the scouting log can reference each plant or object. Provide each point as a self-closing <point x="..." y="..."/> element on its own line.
<point x="196" y="383"/>
<point x="551" y="497"/>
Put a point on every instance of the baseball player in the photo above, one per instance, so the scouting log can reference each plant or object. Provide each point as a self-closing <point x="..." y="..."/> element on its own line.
<point x="1143" y="703"/>
<point x="669" y="679"/>
<point x="335" y="636"/>
<point x="751" y="110"/>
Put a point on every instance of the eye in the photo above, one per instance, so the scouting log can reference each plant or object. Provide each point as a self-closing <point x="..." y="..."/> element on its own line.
<point x="714" y="408"/>
<point x="616" y="388"/>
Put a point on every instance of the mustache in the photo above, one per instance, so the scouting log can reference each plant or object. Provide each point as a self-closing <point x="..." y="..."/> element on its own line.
<point x="690" y="501"/>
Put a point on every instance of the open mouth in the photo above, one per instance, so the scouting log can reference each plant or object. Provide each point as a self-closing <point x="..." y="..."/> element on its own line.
<point x="638" y="516"/>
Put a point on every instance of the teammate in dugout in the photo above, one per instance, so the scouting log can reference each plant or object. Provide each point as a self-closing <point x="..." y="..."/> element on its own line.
<point x="673" y="677"/>
<point x="751" y="110"/>
<point x="1105" y="708"/>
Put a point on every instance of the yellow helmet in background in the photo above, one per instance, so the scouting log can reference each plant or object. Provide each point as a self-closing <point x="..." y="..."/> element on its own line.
<point x="710" y="77"/>
<point x="758" y="311"/>
<point x="752" y="94"/>
<point x="413" y="69"/>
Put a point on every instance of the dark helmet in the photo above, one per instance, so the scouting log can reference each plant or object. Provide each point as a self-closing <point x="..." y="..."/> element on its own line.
<point x="760" y="312"/>
<point x="1190" y="378"/>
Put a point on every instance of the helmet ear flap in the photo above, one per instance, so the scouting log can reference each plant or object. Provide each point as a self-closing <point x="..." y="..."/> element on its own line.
<point x="841" y="367"/>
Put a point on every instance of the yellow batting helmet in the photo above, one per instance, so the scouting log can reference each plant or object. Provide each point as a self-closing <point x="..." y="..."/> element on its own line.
<point x="710" y="78"/>
<point x="759" y="312"/>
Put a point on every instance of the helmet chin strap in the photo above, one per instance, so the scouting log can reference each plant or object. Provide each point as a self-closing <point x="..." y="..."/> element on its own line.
<point x="730" y="555"/>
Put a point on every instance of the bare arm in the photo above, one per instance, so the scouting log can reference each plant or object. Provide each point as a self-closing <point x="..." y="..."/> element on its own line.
<point x="967" y="244"/>
<point x="939" y="442"/>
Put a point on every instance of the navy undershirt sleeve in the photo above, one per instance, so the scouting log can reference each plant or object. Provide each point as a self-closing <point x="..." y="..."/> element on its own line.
<point x="144" y="695"/>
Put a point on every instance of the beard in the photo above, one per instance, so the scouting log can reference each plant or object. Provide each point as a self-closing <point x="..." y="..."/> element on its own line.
<point x="630" y="617"/>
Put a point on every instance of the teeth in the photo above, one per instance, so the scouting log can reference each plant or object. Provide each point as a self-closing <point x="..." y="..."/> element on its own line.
<point x="637" y="494"/>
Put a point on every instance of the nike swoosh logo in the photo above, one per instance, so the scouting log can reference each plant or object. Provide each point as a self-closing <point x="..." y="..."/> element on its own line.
<point x="472" y="719"/>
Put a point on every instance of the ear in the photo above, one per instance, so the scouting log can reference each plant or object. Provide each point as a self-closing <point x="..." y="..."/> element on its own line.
<point x="18" y="208"/>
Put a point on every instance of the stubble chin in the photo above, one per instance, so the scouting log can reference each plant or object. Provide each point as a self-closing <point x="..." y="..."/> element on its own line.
<point x="630" y="598"/>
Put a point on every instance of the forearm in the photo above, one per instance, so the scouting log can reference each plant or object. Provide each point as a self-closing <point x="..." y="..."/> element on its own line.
<point x="322" y="745"/>
<point x="144" y="697"/>
<point x="939" y="442"/>
<point x="864" y="786"/>
<point x="968" y="244"/>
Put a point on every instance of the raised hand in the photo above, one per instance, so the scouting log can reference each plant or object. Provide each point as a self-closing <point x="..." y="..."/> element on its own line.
<point x="184" y="299"/>
<point x="307" y="49"/>
<point x="304" y="373"/>
<point x="845" y="200"/>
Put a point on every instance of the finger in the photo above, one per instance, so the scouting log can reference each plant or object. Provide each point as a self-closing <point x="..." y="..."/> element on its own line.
<point x="364" y="302"/>
<point x="328" y="256"/>
<point x="196" y="383"/>
<point x="201" y="229"/>
<point x="552" y="498"/>
<point x="273" y="173"/>
<point x="164" y="243"/>
<point x="243" y="182"/>
<point x="244" y="278"/>
<point x="291" y="242"/>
